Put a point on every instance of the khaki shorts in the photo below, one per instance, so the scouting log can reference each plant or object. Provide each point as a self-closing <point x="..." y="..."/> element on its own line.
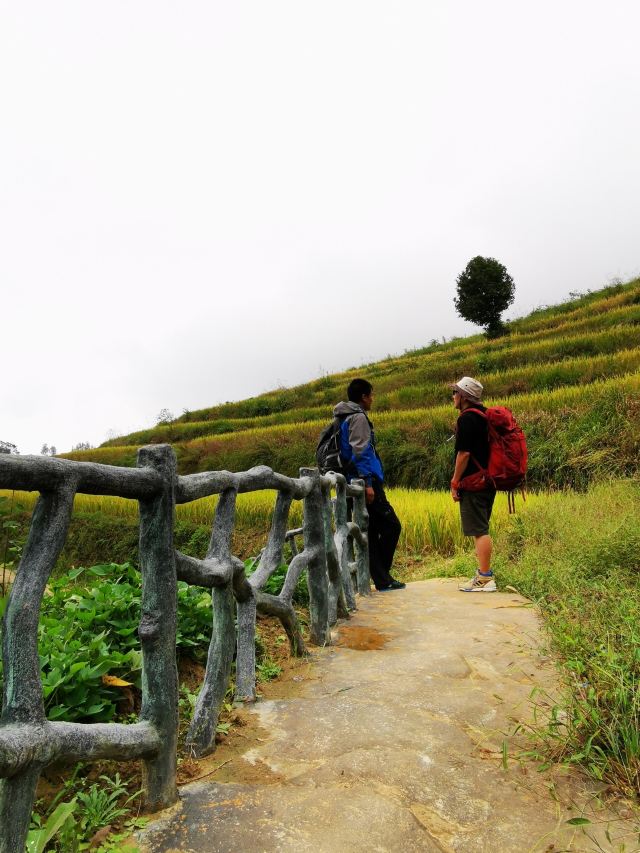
<point x="475" y="512"/>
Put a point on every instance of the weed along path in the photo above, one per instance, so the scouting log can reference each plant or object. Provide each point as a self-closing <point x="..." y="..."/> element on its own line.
<point x="396" y="739"/>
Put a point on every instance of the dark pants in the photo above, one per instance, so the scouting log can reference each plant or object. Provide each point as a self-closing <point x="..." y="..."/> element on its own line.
<point x="384" y="532"/>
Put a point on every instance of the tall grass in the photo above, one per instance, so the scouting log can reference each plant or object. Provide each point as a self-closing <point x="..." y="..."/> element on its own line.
<point x="253" y="508"/>
<point x="597" y="301"/>
<point x="578" y="557"/>
<point x="430" y="520"/>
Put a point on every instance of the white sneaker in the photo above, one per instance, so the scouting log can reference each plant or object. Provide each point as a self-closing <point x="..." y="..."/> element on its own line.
<point x="478" y="584"/>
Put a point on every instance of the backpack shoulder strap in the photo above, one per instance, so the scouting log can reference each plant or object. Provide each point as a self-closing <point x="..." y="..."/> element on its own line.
<point x="477" y="411"/>
<point x="482" y="415"/>
<point x="343" y="417"/>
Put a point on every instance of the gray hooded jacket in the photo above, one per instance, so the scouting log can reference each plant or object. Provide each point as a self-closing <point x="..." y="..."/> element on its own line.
<point x="358" y="444"/>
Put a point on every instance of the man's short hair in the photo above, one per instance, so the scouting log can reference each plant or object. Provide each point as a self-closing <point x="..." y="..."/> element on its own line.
<point x="358" y="388"/>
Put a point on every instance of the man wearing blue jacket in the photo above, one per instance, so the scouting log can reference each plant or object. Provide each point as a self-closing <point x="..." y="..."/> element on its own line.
<point x="358" y="448"/>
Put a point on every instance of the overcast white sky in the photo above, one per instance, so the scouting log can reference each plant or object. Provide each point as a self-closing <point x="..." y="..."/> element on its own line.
<point x="201" y="201"/>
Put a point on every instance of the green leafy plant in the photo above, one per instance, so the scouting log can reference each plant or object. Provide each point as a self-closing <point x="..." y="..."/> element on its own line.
<point x="69" y="826"/>
<point x="10" y="541"/>
<point x="41" y="834"/>
<point x="274" y="584"/>
<point x="113" y="843"/>
<point x="103" y="804"/>
<point x="186" y="703"/>
<point x="88" y="631"/>
<point x="268" y="670"/>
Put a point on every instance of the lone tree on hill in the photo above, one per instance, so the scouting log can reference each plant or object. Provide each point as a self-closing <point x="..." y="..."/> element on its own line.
<point x="485" y="290"/>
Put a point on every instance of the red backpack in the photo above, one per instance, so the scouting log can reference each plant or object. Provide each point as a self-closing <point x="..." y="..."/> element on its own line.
<point x="507" y="464"/>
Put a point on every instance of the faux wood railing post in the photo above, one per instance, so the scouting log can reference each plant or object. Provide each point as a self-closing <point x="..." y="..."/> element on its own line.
<point x="343" y="542"/>
<point x="313" y="524"/>
<point x="361" y="518"/>
<point x="23" y="700"/>
<point x="337" y="600"/>
<point x="246" y="653"/>
<point x="271" y="558"/>
<point x="202" y="731"/>
<point x="28" y="742"/>
<point x="157" y="628"/>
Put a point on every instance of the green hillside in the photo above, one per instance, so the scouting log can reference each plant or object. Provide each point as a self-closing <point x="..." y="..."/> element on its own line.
<point x="571" y="374"/>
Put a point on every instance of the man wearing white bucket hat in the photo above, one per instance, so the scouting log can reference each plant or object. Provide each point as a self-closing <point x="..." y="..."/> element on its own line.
<point x="472" y="455"/>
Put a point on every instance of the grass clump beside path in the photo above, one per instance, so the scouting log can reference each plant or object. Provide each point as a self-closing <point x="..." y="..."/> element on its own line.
<point x="578" y="557"/>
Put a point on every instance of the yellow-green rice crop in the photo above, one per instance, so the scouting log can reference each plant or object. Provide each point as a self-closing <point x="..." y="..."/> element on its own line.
<point x="430" y="520"/>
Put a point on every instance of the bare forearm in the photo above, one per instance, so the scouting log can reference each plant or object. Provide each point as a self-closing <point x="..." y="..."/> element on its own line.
<point x="462" y="459"/>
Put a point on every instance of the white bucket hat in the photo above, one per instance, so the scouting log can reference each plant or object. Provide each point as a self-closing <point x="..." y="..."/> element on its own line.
<point x="470" y="388"/>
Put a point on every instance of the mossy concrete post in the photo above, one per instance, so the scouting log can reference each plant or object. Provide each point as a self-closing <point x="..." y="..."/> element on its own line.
<point x="23" y="701"/>
<point x="202" y="731"/>
<point x="343" y="541"/>
<point x="337" y="601"/>
<point x="201" y="738"/>
<point x="313" y="525"/>
<point x="361" y="518"/>
<point x="157" y="628"/>
<point x="271" y="558"/>
<point x="246" y="650"/>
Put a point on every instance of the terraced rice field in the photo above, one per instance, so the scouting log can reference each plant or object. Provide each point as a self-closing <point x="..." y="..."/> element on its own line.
<point x="570" y="374"/>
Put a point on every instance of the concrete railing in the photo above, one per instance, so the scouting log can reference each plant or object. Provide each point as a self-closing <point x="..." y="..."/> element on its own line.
<point x="29" y="742"/>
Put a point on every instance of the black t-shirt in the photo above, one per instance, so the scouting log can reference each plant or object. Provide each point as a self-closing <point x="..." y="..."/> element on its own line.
<point x="472" y="436"/>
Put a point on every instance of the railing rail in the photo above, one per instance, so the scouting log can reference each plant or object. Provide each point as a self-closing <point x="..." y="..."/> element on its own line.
<point x="334" y="555"/>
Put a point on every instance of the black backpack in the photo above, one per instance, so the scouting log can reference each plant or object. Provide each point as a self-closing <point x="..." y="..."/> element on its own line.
<point x="328" y="455"/>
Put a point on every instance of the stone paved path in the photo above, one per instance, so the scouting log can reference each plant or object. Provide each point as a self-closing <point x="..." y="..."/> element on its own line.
<point x="393" y="741"/>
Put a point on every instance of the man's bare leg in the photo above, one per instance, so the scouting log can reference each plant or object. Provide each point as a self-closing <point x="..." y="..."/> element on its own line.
<point x="484" y="546"/>
<point x="483" y="580"/>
